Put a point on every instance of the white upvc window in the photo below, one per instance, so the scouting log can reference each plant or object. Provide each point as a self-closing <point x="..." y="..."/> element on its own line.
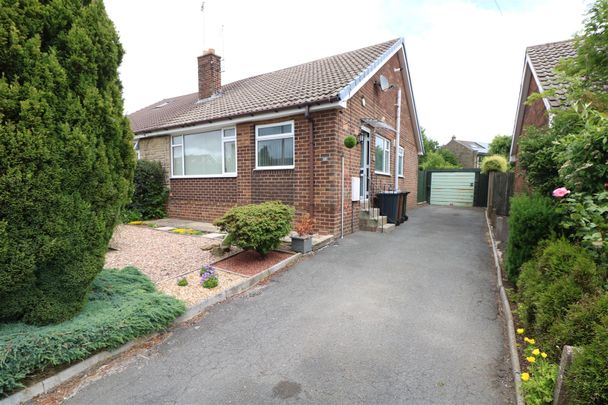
<point x="274" y="146"/>
<point x="400" y="161"/>
<point x="382" y="164"/>
<point x="206" y="154"/>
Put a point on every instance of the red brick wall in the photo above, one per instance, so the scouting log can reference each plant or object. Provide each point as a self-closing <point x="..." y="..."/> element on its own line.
<point x="535" y="115"/>
<point x="378" y="105"/>
<point x="207" y="199"/>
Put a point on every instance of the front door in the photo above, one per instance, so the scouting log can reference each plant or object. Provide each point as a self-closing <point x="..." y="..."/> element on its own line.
<point x="364" y="170"/>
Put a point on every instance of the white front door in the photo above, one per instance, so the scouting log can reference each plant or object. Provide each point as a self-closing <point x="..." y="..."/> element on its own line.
<point x="364" y="169"/>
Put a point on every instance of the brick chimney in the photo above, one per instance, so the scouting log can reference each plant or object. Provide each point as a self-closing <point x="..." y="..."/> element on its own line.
<point x="209" y="74"/>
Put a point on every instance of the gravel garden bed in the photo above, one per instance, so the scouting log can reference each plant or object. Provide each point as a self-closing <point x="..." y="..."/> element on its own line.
<point x="250" y="263"/>
<point x="159" y="255"/>
<point x="194" y="292"/>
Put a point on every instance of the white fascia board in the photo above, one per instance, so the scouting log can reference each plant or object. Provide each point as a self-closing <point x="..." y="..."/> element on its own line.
<point x="355" y="85"/>
<point x="519" y="113"/>
<point x="411" y="103"/>
<point x="231" y="122"/>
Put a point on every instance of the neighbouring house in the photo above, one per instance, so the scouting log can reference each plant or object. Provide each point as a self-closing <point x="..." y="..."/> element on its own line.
<point x="280" y="136"/>
<point x="538" y="77"/>
<point x="468" y="153"/>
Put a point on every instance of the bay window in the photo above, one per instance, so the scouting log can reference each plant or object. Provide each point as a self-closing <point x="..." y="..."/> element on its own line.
<point x="206" y="154"/>
<point x="274" y="146"/>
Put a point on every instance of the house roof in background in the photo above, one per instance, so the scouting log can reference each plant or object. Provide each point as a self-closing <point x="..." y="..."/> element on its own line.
<point x="479" y="147"/>
<point x="539" y="65"/>
<point x="324" y="80"/>
<point x="543" y="60"/>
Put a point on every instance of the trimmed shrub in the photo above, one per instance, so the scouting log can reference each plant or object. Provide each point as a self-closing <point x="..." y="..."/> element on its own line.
<point x="259" y="227"/>
<point x="494" y="163"/>
<point x="560" y="275"/>
<point x="578" y="326"/>
<point x="532" y="218"/>
<point x="66" y="154"/>
<point x="586" y="381"/>
<point x="149" y="194"/>
<point x="122" y="306"/>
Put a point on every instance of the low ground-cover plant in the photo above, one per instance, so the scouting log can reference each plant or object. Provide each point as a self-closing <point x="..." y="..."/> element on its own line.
<point x="494" y="163"/>
<point x="150" y="193"/>
<point x="538" y="381"/>
<point x="123" y="305"/>
<point x="259" y="227"/>
<point x="532" y="218"/>
<point x="187" y="231"/>
<point x="182" y="282"/>
<point x="557" y="277"/>
<point x="209" y="277"/>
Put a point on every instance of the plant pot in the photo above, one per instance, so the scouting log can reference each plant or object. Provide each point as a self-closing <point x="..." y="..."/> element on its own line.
<point x="301" y="244"/>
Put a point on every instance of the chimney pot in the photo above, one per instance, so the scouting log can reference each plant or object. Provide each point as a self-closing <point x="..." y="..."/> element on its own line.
<point x="453" y="137"/>
<point x="209" y="74"/>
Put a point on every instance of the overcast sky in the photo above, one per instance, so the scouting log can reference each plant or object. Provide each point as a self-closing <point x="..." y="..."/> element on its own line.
<point x="465" y="57"/>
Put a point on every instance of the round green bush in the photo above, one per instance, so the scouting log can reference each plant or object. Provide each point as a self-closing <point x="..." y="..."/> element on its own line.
<point x="532" y="218"/>
<point x="211" y="282"/>
<point x="149" y="194"/>
<point x="259" y="227"/>
<point x="182" y="282"/>
<point x="494" y="163"/>
<point x="586" y="380"/>
<point x="557" y="277"/>
<point x="66" y="154"/>
<point x="350" y="141"/>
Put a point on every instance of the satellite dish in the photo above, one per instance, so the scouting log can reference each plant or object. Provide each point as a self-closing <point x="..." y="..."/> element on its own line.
<point x="383" y="82"/>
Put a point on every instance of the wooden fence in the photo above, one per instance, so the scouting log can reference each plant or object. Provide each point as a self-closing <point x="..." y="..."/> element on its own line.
<point x="500" y="191"/>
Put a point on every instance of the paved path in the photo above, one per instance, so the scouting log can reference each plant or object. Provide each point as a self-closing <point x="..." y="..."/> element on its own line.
<point x="407" y="317"/>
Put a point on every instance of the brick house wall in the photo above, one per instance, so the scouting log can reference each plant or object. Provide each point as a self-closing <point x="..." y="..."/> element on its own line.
<point x="468" y="158"/>
<point x="208" y="198"/>
<point x="535" y="115"/>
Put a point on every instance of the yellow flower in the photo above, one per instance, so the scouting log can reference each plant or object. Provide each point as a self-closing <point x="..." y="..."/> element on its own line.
<point x="536" y="352"/>
<point x="544" y="355"/>
<point x="520" y="331"/>
<point x="531" y="341"/>
<point x="526" y="339"/>
<point x="531" y="359"/>
<point x="136" y="222"/>
<point x="525" y="376"/>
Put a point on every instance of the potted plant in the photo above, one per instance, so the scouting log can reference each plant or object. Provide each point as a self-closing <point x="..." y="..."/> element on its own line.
<point x="302" y="242"/>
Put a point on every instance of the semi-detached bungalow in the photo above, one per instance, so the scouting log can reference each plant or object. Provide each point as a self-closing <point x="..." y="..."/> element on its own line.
<point x="280" y="136"/>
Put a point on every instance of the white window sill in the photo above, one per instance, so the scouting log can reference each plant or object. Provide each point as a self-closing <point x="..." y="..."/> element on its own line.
<point x="275" y="168"/>
<point x="383" y="174"/>
<point x="401" y="176"/>
<point x="208" y="176"/>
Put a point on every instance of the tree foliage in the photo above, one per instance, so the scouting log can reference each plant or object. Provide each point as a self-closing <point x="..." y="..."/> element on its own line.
<point x="66" y="158"/>
<point x="435" y="157"/>
<point x="150" y="193"/>
<point x="500" y="145"/>
<point x="494" y="163"/>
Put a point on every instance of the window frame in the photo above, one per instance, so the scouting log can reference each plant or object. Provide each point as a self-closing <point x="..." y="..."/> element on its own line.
<point x="291" y="135"/>
<point x="386" y="155"/>
<point x="401" y="157"/>
<point x="224" y="140"/>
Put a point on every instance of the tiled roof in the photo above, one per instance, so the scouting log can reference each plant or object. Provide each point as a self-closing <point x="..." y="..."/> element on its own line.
<point x="544" y="59"/>
<point x="319" y="81"/>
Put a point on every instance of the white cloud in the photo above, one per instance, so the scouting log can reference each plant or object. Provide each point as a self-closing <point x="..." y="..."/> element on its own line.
<point x="466" y="60"/>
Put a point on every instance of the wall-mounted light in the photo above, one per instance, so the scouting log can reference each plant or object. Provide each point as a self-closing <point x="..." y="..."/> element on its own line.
<point x="363" y="101"/>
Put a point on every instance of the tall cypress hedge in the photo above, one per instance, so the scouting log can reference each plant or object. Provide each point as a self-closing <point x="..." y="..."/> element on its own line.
<point x="66" y="157"/>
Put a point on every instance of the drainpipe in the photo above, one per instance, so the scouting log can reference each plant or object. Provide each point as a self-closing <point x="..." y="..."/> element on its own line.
<point x="398" y="129"/>
<point x="342" y="199"/>
<point x="311" y="164"/>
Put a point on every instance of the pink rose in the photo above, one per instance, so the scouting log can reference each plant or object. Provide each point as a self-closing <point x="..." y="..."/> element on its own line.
<point x="561" y="192"/>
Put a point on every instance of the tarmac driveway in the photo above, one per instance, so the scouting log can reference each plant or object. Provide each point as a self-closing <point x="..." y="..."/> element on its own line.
<point x="406" y="317"/>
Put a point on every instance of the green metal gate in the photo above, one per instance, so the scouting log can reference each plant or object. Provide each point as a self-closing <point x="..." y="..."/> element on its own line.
<point x="453" y="188"/>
